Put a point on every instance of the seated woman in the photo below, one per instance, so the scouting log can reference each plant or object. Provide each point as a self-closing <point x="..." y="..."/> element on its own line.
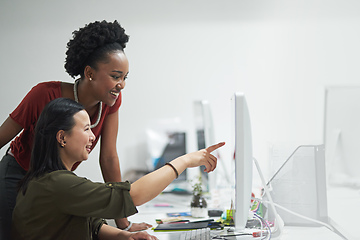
<point x="54" y="203"/>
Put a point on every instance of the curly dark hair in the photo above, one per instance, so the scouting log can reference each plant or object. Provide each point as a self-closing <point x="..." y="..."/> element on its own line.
<point x="91" y="44"/>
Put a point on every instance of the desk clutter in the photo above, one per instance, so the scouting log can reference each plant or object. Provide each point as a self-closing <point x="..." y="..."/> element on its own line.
<point x="220" y="226"/>
<point x="202" y="234"/>
<point x="184" y="225"/>
<point x="205" y="230"/>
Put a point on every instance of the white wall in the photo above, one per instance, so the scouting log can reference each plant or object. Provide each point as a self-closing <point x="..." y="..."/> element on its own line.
<point x="280" y="53"/>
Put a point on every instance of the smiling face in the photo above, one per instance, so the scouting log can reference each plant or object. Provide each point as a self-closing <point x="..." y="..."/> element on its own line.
<point x="78" y="141"/>
<point x="108" y="79"/>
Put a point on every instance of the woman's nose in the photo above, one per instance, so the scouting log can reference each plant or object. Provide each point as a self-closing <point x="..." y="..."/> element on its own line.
<point x="92" y="136"/>
<point x="120" y="85"/>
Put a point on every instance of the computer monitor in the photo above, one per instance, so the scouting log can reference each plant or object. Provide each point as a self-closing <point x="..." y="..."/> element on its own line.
<point x="205" y="137"/>
<point x="175" y="147"/>
<point x="342" y="135"/>
<point x="243" y="161"/>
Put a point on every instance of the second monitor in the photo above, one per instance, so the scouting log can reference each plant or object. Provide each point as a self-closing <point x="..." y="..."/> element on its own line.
<point x="205" y="137"/>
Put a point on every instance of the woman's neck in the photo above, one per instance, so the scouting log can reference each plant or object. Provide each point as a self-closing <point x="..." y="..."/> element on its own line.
<point x="85" y="95"/>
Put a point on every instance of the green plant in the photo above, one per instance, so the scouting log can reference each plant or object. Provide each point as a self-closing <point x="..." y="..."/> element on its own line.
<point x="197" y="187"/>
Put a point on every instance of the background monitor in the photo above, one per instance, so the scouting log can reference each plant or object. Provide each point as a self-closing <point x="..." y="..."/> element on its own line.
<point x="342" y="134"/>
<point x="205" y="137"/>
<point x="175" y="147"/>
<point x="243" y="161"/>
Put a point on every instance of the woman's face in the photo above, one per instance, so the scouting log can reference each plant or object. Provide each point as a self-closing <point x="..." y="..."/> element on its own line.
<point x="109" y="77"/>
<point x="78" y="140"/>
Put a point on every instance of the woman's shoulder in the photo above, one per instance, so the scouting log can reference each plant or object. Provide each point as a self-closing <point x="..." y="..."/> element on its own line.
<point x="59" y="174"/>
<point x="67" y="179"/>
<point x="48" y="84"/>
<point x="57" y="177"/>
<point x="61" y="179"/>
<point x="51" y="86"/>
<point x="52" y="180"/>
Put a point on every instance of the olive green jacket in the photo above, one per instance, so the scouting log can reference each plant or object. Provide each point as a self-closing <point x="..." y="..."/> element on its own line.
<point x="61" y="205"/>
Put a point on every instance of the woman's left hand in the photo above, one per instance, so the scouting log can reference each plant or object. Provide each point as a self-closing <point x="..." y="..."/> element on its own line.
<point x="139" y="227"/>
<point x="142" y="236"/>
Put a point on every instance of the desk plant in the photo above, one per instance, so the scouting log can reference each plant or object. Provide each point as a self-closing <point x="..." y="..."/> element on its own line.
<point x="198" y="202"/>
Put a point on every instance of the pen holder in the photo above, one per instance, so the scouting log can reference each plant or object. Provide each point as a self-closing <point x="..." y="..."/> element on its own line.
<point x="230" y="217"/>
<point x="198" y="206"/>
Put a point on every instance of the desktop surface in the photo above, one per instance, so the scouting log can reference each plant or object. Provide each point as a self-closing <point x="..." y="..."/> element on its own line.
<point x="344" y="207"/>
<point x="170" y="203"/>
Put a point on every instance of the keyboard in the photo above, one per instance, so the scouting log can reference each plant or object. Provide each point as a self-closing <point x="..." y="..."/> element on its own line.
<point x="197" y="234"/>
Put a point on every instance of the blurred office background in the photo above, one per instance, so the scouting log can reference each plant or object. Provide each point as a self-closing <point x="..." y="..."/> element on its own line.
<point x="281" y="54"/>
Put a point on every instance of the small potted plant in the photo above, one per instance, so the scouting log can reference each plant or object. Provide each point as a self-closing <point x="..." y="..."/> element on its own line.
<point x="198" y="202"/>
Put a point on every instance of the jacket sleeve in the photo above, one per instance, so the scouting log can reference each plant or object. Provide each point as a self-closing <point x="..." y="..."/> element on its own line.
<point x="82" y="197"/>
<point x="96" y="224"/>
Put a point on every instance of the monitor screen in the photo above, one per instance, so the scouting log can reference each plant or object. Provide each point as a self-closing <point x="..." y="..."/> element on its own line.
<point x="175" y="147"/>
<point x="243" y="161"/>
<point x="342" y="134"/>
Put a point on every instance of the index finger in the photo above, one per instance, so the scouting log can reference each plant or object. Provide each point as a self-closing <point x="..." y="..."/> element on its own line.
<point x="215" y="146"/>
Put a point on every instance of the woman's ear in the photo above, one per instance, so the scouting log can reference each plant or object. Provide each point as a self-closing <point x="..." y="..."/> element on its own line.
<point x="60" y="137"/>
<point x="88" y="72"/>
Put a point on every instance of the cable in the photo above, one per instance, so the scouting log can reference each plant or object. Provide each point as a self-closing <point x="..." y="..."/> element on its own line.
<point x="278" y="223"/>
<point x="299" y="215"/>
<point x="262" y="220"/>
<point x="331" y="228"/>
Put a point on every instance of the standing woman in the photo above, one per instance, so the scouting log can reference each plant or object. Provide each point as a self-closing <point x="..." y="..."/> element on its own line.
<point x="95" y="55"/>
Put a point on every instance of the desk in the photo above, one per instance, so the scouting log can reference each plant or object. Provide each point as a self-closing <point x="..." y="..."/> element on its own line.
<point x="149" y="212"/>
<point x="344" y="209"/>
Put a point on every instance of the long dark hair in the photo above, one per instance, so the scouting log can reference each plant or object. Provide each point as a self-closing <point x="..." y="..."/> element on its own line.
<point x="57" y="115"/>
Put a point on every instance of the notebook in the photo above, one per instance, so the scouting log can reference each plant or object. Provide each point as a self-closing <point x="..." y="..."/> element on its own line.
<point x="181" y="226"/>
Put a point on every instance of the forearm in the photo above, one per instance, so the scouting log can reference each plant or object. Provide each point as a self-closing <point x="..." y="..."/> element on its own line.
<point x="109" y="159"/>
<point x="151" y="185"/>
<point x="122" y="223"/>
<point x="109" y="233"/>
<point x="8" y="130"/>
<point x="110" y="168"/>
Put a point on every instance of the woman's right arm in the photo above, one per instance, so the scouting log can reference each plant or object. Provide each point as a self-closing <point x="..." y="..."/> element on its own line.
<point x="152" y="184"/>
<point x="8" y="130"/>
